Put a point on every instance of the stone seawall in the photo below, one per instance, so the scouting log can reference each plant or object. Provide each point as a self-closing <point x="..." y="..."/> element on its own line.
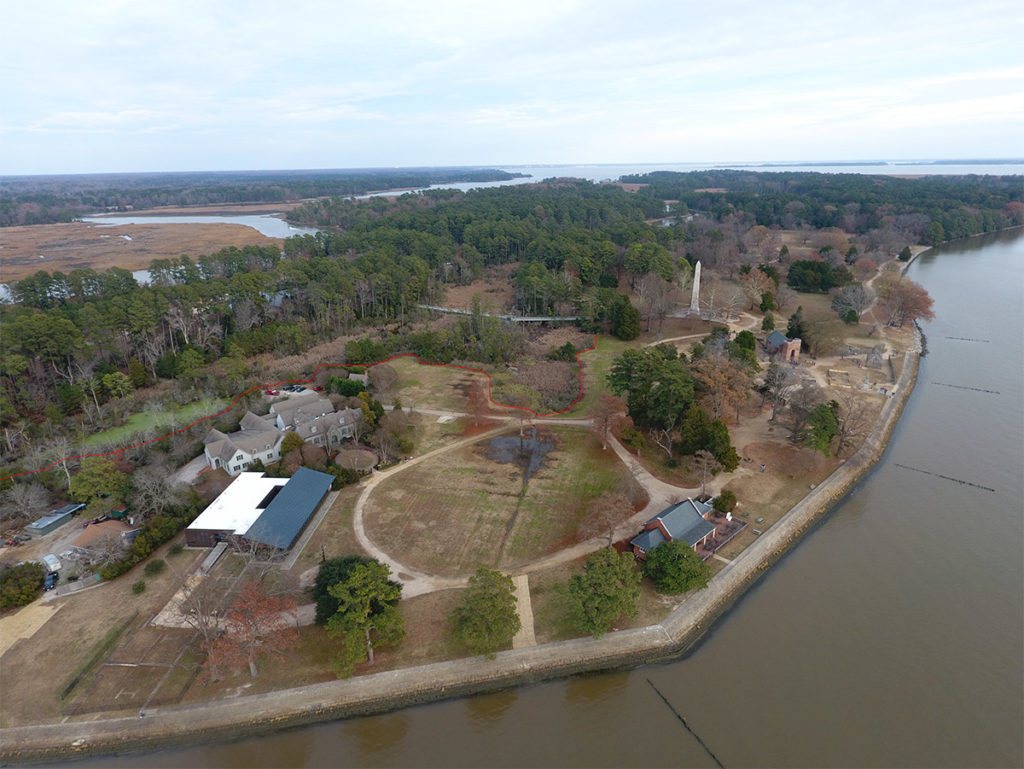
<point x="379" y="692"/>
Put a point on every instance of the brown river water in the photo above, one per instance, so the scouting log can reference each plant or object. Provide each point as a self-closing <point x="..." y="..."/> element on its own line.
<point x="892" y="635"/>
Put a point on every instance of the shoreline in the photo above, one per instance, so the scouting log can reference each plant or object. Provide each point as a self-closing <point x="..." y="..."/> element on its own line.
<point x="381" y="692"/>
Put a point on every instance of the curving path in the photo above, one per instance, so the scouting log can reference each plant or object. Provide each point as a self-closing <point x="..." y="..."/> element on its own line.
<point x="415" y="582"/>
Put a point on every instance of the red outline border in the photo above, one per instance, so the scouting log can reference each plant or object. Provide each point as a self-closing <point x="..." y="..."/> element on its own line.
<point x="311" y="379"/>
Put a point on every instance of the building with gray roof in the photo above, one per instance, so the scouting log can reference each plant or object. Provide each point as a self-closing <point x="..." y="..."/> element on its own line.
<point x="313" y="418"/>
<point x="686" y="521"/>
<point x="281" y="521"/>
<point x="255" y="509"/>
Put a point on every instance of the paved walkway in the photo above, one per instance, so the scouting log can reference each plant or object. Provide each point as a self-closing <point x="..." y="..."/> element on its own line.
<point x="525" y="637"/>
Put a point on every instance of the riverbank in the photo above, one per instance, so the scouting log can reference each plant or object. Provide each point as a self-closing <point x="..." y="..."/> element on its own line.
<point x="385" y="691"/>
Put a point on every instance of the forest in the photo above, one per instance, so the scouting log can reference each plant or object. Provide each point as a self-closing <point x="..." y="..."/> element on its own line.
<point x="48" y="199"/>
<point x="77" y="346"/>
<point x="933" y="208"/>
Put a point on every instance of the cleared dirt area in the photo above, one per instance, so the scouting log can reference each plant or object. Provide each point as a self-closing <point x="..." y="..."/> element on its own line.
<point x="66" y="247"/>
<point x="466" y="509"/>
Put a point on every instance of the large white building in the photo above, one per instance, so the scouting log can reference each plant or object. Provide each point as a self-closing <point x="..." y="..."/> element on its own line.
<point x="312" y="417"/>
<point x="263" y="511"/>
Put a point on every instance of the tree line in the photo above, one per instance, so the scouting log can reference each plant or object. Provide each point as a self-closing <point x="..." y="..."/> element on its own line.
<point x="932" y="208"/>
<point x="47" y="199"/>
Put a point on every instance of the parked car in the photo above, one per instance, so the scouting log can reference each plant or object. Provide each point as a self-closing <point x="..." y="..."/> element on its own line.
<point x="319" y="388"/>
<point x="272" y="392"/>
<point x="50" y="580"/>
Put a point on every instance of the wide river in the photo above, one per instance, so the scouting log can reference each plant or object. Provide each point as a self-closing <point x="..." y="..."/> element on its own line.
<point x="892" y="635"/>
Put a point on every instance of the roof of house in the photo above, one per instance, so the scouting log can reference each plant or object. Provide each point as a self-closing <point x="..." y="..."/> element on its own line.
<point x="302" y="408"/>
<point x="237" y="508"/>
<point x="256" y="435"/>
<point x="322" y="425"/>
<point x="776" y="339"/>
<point x="683" y="521"/>
<point x="286" y="515"/>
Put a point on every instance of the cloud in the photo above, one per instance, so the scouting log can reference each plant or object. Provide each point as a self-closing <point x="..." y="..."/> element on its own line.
<point x="398" y="81"/>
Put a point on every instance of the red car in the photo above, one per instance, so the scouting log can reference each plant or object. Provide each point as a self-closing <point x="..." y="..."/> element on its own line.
<point x="272" y="392"/>
<point x="318" y="388"/>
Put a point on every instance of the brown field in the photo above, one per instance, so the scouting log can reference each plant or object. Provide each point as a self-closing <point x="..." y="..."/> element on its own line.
<point x="224" y="209"/>
<point x="465" y="510"/>
<point x="66" y="247"/>
<point x="40" y="666"/>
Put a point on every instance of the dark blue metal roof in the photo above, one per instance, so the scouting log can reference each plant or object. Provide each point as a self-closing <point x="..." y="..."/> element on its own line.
<point x="280" y="524"/>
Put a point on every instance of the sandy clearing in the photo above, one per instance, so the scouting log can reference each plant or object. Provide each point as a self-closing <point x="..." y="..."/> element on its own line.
<point x="24" y="623"/>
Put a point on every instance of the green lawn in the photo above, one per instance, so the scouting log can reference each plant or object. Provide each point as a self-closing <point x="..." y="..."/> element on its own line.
<point x="142" y="421"/>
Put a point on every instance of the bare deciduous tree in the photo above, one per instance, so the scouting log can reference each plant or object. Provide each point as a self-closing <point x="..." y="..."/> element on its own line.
<point x="257" y="624"/>
<point x="382" y="377"/>
<point x="779" y="380"/>
<point x="802" y="401"/>
<point x="657" y="296"/>
<point x="476" y="401"/>
<point x="853" y="420"/>
<point x="607" y="411"/>
<point x="706" y="463"/>
<point x="604" y="514"/>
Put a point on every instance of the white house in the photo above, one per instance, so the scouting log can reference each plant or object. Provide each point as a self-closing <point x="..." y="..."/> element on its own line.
<point x="313" y="418"/>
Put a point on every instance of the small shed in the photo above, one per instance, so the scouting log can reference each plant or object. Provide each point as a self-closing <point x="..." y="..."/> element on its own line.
<point x="47" y="523"/>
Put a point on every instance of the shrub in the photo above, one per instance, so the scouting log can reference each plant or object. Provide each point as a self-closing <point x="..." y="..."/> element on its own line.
<point x="725" y="502"/>
<point x="155" y="567"/>
<point x="139" y="587"/>
<point x="19" y="585"/>
<point x="177" y="548"/>
<point x="155" y="531"/>
<point x="346" y="387"/>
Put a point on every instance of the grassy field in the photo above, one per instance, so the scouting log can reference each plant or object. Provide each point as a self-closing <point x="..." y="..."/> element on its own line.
<point x="433" y="387"/>
<point x="143" y="421"/>
<point x="465" y="509"/>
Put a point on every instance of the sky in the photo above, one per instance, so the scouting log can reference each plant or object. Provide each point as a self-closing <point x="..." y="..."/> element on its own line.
<point x="174" y="85"/>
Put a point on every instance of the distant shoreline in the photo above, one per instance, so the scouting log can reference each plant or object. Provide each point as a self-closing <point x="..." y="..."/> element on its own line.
<point x="381" y="692"/>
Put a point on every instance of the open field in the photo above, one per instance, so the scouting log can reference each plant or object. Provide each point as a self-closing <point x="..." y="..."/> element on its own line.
<point x="425" y="386"/>
<point x="466" y="509"/>
<point x="73" y="245"/>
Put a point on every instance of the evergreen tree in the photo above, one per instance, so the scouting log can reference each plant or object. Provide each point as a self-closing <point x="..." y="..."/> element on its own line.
<point x="487" y="619"/>
<point x="608" y="589"/>
<point x="675" y="568"/>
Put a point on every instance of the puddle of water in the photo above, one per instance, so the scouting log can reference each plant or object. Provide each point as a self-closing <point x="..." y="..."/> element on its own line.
<point x="527" y="453"/>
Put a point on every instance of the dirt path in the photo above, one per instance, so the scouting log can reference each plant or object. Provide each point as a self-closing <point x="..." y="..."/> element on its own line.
<point x="415" y="582"/>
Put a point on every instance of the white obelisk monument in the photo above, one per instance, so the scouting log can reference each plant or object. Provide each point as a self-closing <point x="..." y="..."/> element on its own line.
<point x="695" y="296"/>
